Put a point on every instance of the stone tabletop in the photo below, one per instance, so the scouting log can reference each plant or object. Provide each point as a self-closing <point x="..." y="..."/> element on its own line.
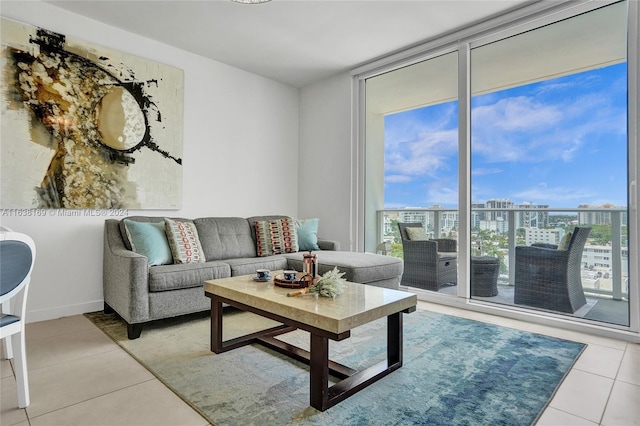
<point x="358" y="305"/>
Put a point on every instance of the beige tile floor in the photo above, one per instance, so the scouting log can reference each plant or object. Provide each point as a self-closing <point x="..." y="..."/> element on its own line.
<point x="78" y="376"/>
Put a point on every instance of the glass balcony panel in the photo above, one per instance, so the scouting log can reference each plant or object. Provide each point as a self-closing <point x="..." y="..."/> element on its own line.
<point x="603" y="267"/>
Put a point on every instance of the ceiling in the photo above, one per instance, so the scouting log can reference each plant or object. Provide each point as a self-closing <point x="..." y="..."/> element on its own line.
<point x="296" y="42"/>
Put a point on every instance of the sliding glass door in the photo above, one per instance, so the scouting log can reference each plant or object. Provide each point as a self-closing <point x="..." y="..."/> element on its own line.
<point x="412" y="168"/>
<point x="512" y="148"/>
<point x="549" y="163"/>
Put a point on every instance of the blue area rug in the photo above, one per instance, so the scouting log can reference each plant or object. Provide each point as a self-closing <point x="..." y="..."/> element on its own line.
<point x="456" y="372"/>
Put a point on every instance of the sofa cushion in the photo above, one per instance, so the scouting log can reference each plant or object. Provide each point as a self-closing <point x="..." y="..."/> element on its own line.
<point x="185" y="275"/>
<point x="566" y="240"/>
<point x="184" y="241"/>
<point x="150" y="240"/>
<point x="307" y="230"/>
<point x="447" y="255"/>
<point x="225" y="237"/>
<point x="276" y="237"/>
<point x="248" y="266"/>
<point x="358" y="267"/>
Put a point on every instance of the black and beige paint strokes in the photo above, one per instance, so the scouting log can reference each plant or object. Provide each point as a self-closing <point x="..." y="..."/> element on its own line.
<point x="87" y="127"/>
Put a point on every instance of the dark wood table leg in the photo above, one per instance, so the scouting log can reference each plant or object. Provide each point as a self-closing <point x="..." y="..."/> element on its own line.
<point x="324" y="397"/>
<point x="216" y="325"/>
<point x="219" y="345"/>
<point x="319" y="372"/>
<point x="394" y="339"/>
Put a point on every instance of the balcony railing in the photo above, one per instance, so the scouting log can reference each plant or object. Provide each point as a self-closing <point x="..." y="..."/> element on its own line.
<point x="604" y="273"/>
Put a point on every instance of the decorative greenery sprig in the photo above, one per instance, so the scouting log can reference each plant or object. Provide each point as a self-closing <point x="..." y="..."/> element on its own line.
<point x="331" y="284"/>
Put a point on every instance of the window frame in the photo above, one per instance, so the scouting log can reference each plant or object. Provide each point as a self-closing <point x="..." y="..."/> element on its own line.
<point x="524" y="19"/>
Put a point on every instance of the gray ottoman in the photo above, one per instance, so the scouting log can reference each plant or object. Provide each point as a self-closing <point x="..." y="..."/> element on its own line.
<point x="484" y="276"/>
<point x="363" y="268"/>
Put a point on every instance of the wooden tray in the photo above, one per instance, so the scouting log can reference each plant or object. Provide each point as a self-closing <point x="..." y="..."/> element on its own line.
<point x="279" y="281"/>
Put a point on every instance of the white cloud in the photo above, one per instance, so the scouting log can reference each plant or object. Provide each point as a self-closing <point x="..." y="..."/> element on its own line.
<point x="426" y="155"/>
<point x="531" y="135"/>
<point x="397" y="179"/>
<point x="524" y="129"/>
<point x="570" y="152"/>
<point x="551" y="87"/>
<point x="558" y="195"/>
<point x="485" y="171"/>
<point x="502" y="131"/>
<point x="443" y="195"/>
<point x="516" y="113"/>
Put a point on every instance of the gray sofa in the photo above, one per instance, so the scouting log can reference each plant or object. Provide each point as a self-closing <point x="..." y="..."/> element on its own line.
<point x="140" y="293"/>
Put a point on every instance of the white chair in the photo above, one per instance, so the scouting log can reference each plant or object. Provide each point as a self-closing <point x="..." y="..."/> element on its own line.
<point x="17" y="256"/>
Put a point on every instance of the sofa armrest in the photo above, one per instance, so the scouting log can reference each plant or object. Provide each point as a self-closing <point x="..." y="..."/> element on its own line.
<point x="125" y="277"/>
<point x="446" y="244"/>
<point x="328" y="245"/>
<point x="420" y="253"/>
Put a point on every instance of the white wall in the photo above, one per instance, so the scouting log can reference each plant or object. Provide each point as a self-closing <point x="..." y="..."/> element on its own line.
<point x="325" y="157"/>
<point x="240" y="129"/>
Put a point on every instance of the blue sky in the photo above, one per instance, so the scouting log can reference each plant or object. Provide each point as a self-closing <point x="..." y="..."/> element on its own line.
<point x="560" y="142"/>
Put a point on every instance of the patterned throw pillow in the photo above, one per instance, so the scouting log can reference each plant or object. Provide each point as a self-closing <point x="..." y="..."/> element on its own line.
<point x="417" y="234"/>
<point x="564" y="243"/>
<point x="276" y="237"/>
<point x="184" y="241"/>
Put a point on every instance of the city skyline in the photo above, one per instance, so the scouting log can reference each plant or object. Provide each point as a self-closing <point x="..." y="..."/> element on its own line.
<point x="560" y="142"/>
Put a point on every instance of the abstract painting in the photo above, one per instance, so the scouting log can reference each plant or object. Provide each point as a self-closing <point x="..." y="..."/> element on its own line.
<point x="87" y="127"/>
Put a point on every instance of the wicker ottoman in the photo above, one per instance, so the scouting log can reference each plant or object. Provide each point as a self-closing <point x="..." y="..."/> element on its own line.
<point x="484" y="276"/>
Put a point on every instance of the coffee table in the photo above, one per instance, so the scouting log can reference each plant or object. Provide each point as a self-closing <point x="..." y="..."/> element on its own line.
<point x="324" y="318"/>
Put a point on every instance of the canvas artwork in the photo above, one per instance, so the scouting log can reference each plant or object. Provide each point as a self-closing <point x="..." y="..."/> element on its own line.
<point x="86" y="127"/>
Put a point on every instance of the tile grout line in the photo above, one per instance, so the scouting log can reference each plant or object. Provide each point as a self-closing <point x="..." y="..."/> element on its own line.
<point x="89" y="399"/>
<point x="67" y="361"/>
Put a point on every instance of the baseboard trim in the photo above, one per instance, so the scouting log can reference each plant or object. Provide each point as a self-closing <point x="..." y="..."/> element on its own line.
<point x="63" y="311"/>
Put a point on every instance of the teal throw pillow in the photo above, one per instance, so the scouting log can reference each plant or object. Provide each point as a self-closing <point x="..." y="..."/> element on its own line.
<point x="307" y="234"/>
<point x="150" y="240"/>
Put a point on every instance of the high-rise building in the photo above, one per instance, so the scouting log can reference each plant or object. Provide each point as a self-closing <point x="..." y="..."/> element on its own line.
<point x="600" y="217"/>
<point x="533" y="218"/>
<point x="546" y="236"/>
<point x="497" y="204"/>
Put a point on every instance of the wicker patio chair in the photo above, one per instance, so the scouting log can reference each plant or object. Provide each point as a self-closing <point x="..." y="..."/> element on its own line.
<point x="548" y="278"/>
<point x="428" y="264"/>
